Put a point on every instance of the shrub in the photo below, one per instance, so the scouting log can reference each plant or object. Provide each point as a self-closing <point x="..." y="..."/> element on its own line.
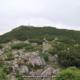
<point x="38" y="41"/>
<point x="9" y="54"/>
<point x="19" y="45"/>
<point x="18" y="76"/>
<point x="3" y="74"/>
<point x="69" y="55"/>
<point x="29" y="47"/>
<point x="71" y="73"/>
<point x="53" y="51"/>
<point x="1" y="46"/>
<point x="45" y="56"/>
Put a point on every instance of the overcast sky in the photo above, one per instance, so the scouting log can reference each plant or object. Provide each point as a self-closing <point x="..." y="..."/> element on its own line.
<point x="58" y="13"/>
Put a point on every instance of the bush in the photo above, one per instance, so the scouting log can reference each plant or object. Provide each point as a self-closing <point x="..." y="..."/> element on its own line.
<point x="45" y="56"/>
<point x="71" y="73"/>
<point x="53" y="51"/>
<point x="19" y="45"/>
<point x="1" y="46"/>
<point x="29" y="47"/>
<point x="69" y="55"/>
<point x="38" y="41"/>
<point x="18" y="76"/>
<point x="3" y="74"/>
<point x="9" y="54"/>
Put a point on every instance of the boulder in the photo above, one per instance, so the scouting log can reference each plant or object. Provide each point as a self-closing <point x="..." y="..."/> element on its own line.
<point x="35" y="59"/>
<point x="1" y="51"/>
<point x="53" y="58"/>
<point x="23" y="69"/>
<point x="11" y="77"/>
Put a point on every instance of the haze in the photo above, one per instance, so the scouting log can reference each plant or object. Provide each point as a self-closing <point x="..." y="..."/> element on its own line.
<point x="58" y="13"/>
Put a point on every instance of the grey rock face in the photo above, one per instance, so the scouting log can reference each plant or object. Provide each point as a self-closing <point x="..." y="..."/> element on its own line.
<point x="49" y="72"/>
<point x="34" y="59"/>
<point x="23" y="69"/>
<point x="36" y="73"/>
<point x="53" y="58"/>
<point x="1" y="51"/>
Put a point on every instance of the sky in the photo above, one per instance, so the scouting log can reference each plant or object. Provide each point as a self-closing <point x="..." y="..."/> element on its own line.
<point x="57" y="13"/>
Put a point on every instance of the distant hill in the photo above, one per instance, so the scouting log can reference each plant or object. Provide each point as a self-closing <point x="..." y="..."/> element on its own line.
<point x="38" y="33"/>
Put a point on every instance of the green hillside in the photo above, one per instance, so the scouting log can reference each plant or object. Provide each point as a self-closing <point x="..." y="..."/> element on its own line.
<point x="38" y="33"/>
<point x="57" y="56"/>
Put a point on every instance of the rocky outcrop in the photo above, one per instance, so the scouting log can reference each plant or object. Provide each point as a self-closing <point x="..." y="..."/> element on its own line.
<point x="53" y="59"/>
<point x="1" y="51"/>
<point x="23" y="69"/>
<point x="46" y="45"/>
<point x="49" y="72"/>
<point x="34" y="59"/>
<point x="36" y="73"/>
<point x="28" y="63"/>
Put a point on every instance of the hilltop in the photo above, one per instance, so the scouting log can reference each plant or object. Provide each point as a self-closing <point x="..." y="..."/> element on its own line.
<point x="38" y="33"/>
<point x="40" y="51"/>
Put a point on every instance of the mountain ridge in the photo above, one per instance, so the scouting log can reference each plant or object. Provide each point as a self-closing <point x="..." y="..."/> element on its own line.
<point x="38" y="33"/>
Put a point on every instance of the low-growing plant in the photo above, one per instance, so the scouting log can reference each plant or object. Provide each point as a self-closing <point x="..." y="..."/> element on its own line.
<point x="19" y="76"/>
<point x="29" y="47"/>
<point x="69" y="56"/>
<point x="3" y="73"/>
<point x="8" y="53"/>
<point x="53" y="51"/>
<point x="19" y="45"/>
<point x="1" y="46"/>
<point x="45" y="56"/>
<point x="71" y="73"/>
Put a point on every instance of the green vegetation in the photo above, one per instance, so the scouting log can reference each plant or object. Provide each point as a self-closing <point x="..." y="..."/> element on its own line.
<point x="36" y="34"/>
<point x="65" y="44"/>
<point x="69" y="74"/>
<point x="19" y="45"/>
<point x="8" y="53"/>
<point x="1" y="46"/>
<point x="53" y="51"/>
<point x="45" y="56"/>
<point x="33" y="48"/>
<point x="68" y="55"/>
<point x="29" y="47"/>
<point x="19" y="76"/>
<point x="3" y="73"/>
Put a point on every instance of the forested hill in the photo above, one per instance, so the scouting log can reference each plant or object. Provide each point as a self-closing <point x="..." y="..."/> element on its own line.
<point x="38" y="33"/>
